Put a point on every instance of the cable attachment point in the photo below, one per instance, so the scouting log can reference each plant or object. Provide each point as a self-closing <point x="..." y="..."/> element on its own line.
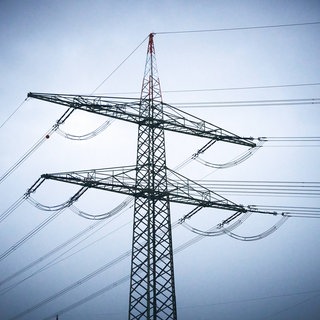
<point x="189" y="215"/>
<point x="76" y="196"/>
<point x="34" y="187"/>
<point x="181" y="220"/>
<point x="203" y="149"/>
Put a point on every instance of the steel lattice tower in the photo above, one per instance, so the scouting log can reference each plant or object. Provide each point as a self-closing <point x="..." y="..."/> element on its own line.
<point x="152" y="291"/>
<point x="152" y="288"/>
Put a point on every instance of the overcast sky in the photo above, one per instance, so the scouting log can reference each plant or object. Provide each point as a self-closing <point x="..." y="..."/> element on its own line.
<point x="71" y="47"/>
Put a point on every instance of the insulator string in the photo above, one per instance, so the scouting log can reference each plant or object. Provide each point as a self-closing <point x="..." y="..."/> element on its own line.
<point x="241" y="158"/>
<point x="291" y="211"/>
<point x="222" y="230"/>
<point x="260" y="236"/>
<point x="219" y="229"/>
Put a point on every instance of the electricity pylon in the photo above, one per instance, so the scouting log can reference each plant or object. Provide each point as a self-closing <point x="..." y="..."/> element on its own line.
<point x="152" y="289"/>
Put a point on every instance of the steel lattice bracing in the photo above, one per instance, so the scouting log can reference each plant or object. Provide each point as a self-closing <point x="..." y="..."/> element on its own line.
<point x="152" y="290"/>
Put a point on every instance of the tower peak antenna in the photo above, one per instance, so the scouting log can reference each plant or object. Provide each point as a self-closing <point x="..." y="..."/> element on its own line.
<point x="150" y="43"/>
<point x="151" y="90"/>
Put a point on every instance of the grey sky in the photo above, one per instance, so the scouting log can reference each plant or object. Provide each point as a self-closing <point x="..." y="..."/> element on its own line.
<point x="71" y="47"/>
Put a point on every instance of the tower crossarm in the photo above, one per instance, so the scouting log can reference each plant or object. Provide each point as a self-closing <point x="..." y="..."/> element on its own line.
<point x="127" y="109"/>
<point x="119" y="108"/>
<point x="122" y="180"/>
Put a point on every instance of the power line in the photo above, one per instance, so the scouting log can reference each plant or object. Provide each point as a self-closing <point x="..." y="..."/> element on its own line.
<point x="43" y="138"/>
<point x="300" y="139"/>
<point x="59" y="247"/>
<point x="294" y="146"/>
<point x="126" y="278"/>
<point x="266" y="188"/>
<point x="61" y="257"/>
<point x="271" y="316"/>
<point x="284" y="295"/>
<point x="13" y="207"/>
<point x="256" y="299"/>
<point x="241" y="28"/>
<point x="51" y="252"/>
<point x="73" y="285"/>
<point x="11" y="115"/>
<point x="306" y="142"/>
<point x="224" y="88"/>
<point x="140" y="44"/>
<point x="104" y="289"/>
<point x="248" y="103"/>
<point x="245" y="88"/>
<point x="30" y="234"/>
<point x="93" y="274"/>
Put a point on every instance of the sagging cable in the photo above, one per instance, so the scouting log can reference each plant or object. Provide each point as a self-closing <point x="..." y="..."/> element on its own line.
<point x="260" y="236"/>
<point x="87" y="136"/>
<point x="241" y="158"/>
<point x="105" y="215"/>
<point x="219" y="229"/>
<point x="61" y="206"/>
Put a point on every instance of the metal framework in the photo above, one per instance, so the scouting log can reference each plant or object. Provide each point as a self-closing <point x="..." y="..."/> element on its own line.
<point x="152" y="289"/>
